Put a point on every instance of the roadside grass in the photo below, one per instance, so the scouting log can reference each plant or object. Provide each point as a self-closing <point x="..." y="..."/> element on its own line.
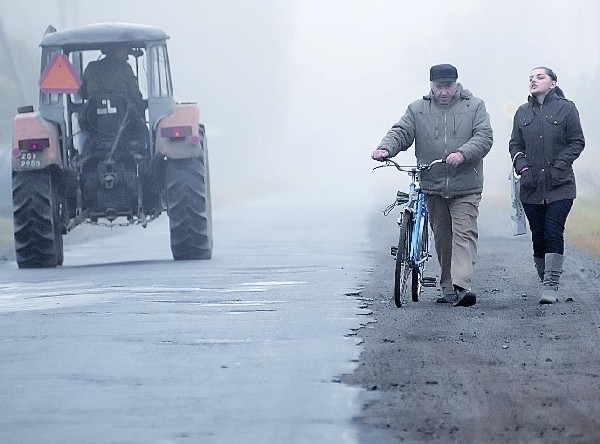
<point x="6" y="232"/>
<point x="583" y="224"/>
<point x="582" y="228"/>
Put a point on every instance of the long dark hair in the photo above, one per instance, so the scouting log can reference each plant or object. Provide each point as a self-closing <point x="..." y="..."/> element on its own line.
<point x="553" y="76"/>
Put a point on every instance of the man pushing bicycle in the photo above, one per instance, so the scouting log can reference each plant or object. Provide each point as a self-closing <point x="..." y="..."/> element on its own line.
<point x="448" y="123"/>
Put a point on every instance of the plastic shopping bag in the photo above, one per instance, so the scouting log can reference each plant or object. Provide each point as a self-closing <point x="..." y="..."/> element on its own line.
<point x="518" y="221"/>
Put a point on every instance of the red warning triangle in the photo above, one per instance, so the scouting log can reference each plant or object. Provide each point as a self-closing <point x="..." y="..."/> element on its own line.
<point x="59" y="76"/>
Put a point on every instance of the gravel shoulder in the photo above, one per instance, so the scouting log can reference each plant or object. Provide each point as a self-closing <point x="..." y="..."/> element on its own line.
<point x="505" y="370"/>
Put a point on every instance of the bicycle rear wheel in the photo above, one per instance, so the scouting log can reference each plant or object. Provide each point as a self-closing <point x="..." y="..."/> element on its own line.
<point x="416" y="285"/>
<point x="419" y="271"/>
<point x="403" y="268"/>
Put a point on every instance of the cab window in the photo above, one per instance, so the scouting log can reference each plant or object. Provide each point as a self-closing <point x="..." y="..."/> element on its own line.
<point x="161" y="79"/>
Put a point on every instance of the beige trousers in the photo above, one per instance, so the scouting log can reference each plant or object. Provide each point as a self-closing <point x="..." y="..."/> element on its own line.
<point x="454" y="225"/>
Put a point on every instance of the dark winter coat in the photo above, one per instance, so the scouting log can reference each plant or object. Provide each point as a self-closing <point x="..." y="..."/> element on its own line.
<point x="110" y="76"/>
<point x="550" y="137"/>
<point x="437" y="130"/>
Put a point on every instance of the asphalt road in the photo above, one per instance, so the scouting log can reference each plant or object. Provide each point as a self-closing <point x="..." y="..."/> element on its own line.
<point x="123" y="344"/>
<point x="289" y="334"/>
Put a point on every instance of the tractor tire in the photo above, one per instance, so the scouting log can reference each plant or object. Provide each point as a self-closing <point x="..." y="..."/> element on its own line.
<point x="37" y="219"/>
<point x="189" y="207"/>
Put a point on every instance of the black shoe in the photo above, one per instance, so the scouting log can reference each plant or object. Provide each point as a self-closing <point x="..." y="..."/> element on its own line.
<point x="465" y="299"/>
<point x="446" y="299"/>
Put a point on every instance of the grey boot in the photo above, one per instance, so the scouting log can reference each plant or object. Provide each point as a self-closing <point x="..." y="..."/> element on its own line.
<point x="552" y="271"/>
<point x="540" y="265"/>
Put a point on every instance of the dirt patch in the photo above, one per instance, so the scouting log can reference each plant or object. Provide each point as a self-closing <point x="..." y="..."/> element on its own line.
<point x="504" y="370"/>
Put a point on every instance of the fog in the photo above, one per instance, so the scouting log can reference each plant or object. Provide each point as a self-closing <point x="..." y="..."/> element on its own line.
<point x="296" y="94"/>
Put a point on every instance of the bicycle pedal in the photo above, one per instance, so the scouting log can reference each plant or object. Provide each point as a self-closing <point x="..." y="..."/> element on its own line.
<point x="394" y="251"/>
<point x="428" y="281"/>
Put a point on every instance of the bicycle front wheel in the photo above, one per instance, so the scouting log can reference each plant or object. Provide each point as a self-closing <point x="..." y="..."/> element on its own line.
<point x="403" y="268"/>
<point x="419" y="271"/>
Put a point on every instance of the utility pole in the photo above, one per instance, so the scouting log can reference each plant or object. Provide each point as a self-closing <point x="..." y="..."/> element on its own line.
<point x="10" y="64"/>
<point x="62" y="14"/>
<point x="68" y="13"/>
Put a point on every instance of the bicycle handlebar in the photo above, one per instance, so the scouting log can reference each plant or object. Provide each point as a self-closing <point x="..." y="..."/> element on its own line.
<point x="409" y="168"/>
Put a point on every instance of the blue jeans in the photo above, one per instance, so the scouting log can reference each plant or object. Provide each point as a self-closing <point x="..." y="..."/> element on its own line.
<point x="547" y="225"/>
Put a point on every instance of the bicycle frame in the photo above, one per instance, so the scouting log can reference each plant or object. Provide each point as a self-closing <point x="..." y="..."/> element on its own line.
<point x="413" y="246"/>
<point x="419" y="209"/>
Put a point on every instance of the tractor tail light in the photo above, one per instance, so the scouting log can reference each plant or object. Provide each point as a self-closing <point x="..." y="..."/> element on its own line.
<point x="33" y="144"/>
<point x="176" y="132"/>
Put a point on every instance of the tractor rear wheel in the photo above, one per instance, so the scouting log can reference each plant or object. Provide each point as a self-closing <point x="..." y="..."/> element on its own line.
<point x="189" y="207"/>
<point x="37" y="219"/>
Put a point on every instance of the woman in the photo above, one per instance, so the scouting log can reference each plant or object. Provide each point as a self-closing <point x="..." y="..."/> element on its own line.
<point x="546" y="139"/>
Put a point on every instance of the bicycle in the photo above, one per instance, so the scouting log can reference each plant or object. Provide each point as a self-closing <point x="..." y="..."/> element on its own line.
<point x="412" y="251"/>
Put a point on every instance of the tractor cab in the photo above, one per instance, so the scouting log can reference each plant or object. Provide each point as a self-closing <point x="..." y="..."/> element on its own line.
<point x="71" y="52"/>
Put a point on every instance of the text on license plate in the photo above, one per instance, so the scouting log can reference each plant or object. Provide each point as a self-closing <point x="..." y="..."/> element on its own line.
<point x="30" y="160"/>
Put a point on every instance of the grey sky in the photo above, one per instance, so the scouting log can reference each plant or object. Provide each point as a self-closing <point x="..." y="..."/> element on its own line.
<point x="292" y="91"/>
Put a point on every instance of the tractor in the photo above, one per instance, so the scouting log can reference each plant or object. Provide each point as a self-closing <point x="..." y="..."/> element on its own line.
<point x="103" y="160"/>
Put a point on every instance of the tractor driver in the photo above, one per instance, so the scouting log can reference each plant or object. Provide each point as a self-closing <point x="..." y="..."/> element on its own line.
<point x="111" y="75"/>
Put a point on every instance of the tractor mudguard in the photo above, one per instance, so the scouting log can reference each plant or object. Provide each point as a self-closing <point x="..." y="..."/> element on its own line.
<point x="35" y="143"/>
<point x="177" y="135"/>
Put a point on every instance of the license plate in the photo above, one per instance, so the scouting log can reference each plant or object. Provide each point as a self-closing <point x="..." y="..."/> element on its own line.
<point x="30" y="161"/>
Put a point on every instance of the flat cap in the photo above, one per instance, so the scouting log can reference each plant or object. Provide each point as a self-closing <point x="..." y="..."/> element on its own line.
<point x="443" y="73"/>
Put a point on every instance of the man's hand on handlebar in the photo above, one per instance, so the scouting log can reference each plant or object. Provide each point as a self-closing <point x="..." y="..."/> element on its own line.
<point x="380" y="155"/>
<point x="455" y="159"/>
